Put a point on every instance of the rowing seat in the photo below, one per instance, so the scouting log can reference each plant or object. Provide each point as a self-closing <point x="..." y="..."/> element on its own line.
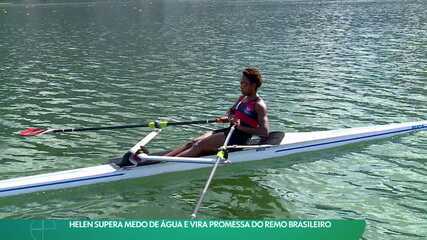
<point x="274" y="138"/>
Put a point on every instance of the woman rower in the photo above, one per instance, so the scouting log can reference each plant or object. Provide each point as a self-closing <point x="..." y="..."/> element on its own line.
<point x="248" y="115"/>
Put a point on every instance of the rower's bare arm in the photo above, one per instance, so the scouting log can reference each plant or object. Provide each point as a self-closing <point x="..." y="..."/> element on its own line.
<point x="223" y="119"/>
<point x="264" y="125"/>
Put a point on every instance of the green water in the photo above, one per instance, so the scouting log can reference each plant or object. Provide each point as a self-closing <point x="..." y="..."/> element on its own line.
<point x="326" y="65"/>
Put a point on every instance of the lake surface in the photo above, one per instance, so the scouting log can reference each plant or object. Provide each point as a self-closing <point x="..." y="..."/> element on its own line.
<point x="326" y="65"/>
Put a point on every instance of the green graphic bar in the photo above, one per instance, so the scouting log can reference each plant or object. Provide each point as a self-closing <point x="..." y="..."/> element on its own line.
<point x="182" y="229"/>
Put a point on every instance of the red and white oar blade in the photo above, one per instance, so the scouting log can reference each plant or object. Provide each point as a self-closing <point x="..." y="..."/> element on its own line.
<point x="29" y="132"/>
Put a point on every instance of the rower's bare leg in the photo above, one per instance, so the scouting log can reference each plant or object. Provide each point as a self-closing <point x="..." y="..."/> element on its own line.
<point x="205" y="145"/>
<point x="177" y="151"/>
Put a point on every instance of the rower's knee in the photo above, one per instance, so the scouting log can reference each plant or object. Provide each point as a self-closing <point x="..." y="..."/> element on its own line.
<point x="189" y="144"/>
<point x="196" y="146"/>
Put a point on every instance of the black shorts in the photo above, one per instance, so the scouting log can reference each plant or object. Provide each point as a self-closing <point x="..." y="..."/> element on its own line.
<point x="237" y="138"/>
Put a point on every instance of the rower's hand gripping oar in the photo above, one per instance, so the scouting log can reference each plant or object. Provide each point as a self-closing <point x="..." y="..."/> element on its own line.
<point x="220" y="157"/>
<point x="154" y="124"/>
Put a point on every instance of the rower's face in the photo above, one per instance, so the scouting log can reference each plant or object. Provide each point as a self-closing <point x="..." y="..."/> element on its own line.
<point x="246" y="87"/>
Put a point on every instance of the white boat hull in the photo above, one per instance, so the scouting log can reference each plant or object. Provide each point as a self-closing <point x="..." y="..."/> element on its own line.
<point x="292" y="143"/>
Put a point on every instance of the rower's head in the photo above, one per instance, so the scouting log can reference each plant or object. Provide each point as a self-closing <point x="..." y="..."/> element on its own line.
<point x="250" y="82"/>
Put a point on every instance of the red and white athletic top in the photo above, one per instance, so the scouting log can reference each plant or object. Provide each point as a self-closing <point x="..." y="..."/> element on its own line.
<point x="245" y="111"/>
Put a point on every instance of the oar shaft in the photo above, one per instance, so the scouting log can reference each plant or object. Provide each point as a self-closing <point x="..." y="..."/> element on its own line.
<point x="192" y="122"/>
<point x="99" y="128"/>
<point x="154" y="124"/>
<point x="211" y="175"/>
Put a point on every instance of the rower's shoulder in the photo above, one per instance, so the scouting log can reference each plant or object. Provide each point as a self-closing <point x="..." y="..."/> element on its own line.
<point x="261" y="103"/>
<point x="260" y="100"/>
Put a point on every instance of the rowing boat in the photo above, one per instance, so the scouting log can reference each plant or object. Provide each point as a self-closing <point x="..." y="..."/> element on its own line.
<point x="277" y="145"/>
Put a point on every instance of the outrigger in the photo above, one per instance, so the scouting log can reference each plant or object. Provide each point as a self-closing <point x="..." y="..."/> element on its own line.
<point x="278" y="144"/>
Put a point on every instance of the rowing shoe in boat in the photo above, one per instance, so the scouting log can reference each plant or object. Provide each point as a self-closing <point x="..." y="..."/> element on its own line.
<point x="276" y="145"/>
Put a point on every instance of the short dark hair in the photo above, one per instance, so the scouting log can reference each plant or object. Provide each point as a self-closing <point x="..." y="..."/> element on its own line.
<point x="253" y="75"/>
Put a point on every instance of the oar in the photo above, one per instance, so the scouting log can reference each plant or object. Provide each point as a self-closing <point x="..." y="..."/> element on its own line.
<point x="220" y="157"/>
<point x="154" y="124"/>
